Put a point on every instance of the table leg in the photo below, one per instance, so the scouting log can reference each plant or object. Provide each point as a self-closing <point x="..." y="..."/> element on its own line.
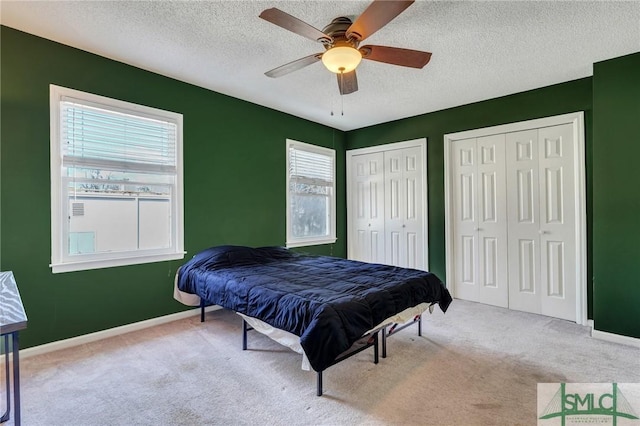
<point x="16" y="379"/>
<point x="6" y="414"/>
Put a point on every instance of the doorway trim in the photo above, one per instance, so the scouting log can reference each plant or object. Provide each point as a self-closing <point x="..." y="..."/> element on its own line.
<point x="576" y="119"/>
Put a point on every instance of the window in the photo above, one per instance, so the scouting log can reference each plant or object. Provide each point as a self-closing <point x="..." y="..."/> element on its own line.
<point x="311" y="199"/>
<point x="116" y="182"/>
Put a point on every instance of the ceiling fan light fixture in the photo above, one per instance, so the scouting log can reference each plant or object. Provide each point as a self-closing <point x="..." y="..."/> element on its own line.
<point x="341" y="59"/>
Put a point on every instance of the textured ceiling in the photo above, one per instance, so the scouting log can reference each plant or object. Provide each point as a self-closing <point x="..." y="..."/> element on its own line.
<point x="481" y="50"/>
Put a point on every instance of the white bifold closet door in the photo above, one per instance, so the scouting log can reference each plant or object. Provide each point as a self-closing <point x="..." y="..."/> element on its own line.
<point x="480" y="234"/>
<point x="367" y="216"/>
<point x="386" y="192"/>
<point x="541" y="221"/>
<point x="403" y="208"/>
<point x="513" y="202"/>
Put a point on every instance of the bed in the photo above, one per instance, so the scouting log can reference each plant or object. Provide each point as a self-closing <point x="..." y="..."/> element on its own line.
<point x="332" y="307"/>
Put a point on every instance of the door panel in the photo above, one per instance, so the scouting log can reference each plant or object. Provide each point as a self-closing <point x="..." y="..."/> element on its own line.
<point x="491" y="221"/>
<point x="465" y="243"/>
<point x="467" y="197"/>
<point x="524" y="194"/>
<point x="555" y="270"/>
<point x="410" y="203"/>
<point x="413" y="223"/>
<point x="480" y="240"/>
<point x="553" y="195"/>
<point x="395" y="255"/>
<point x="541" y="226"/>
<point x="523" y="220"/>
<point x="526" y="266"/>
<point x="491" y="266"/>
<point x="468" y="265"/>
<point x="394" y="203"/>
<point x="367" y="180"/>
<point x="413" y="250"/>
<point x="557" y="228"/>
<point x="404" y="215"/>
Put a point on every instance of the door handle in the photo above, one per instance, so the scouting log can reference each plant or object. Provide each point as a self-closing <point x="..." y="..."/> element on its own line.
<point x="541" y="232"/>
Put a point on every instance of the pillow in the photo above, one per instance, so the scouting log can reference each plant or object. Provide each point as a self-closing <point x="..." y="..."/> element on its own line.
<point x="241" y="256"/>
<point x="213" y="257"/>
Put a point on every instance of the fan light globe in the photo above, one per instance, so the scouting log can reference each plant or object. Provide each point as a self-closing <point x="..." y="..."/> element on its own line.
<point x="341" y="59"/>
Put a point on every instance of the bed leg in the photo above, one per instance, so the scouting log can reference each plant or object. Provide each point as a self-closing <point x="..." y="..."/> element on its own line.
<point x="375" y="348"/>
<point x="244" y="335"/>
<point x="319" y="391"/>
<point x="420" y="326"/>
<point x="201" y="310"/>
<point x="384" y="342"/>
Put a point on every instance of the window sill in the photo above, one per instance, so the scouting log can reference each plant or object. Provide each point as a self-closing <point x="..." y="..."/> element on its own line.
<point x="291" y="244"/>
<point x="110" y="263"/>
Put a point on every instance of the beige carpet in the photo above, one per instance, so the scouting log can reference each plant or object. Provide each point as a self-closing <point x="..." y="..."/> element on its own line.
<point x="475" y="365"/>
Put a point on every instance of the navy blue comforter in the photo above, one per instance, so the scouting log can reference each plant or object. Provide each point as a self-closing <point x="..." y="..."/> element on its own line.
<point x="329" y="302"/>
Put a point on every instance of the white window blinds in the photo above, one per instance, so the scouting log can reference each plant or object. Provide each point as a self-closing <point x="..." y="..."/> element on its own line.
<point x="310" y="167"/>
<point x="93" y="137"/>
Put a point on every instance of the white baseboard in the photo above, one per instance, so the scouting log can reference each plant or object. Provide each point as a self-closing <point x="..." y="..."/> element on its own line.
<point x="99" y="335"/>
<point x="615" y="338"/>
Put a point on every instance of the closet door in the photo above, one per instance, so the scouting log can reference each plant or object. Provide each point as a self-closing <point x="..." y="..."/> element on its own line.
<point x="465" y="237"/>
<point x="367" y="186"/>
<point x="537" y="213"/>
<point x="492" y="220"/>
<point x="541" y="210"/>
<point x="524" y="221"/>
<point x="557" y="221"/>
<point x="404" y="215"/>
<point x="479" y="211"/>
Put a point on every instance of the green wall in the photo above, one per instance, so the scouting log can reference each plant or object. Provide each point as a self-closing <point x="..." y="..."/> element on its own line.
<point x="616" y="197"/>
<point x="234" y="174"/>
<point x="553" y="100"/>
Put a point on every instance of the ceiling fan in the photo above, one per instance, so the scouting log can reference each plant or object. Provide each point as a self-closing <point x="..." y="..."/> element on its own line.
<point x="341" y="40"/>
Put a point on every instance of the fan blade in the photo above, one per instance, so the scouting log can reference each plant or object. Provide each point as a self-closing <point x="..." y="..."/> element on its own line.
<point x="396" y="56"/>
<point x="347" y="82"/>
<point x="293" y="24"/>
<point x="294" y="65"/>
<point x="377" y="15"/>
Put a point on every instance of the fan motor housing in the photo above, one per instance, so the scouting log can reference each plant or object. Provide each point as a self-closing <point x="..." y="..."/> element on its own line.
<point x="337" y="30"/>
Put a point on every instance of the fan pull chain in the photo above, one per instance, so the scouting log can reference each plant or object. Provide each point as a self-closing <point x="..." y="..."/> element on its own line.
<point x="341" y="83"/>
<point x="332" y="103"/>
<point x="341" y="91"/>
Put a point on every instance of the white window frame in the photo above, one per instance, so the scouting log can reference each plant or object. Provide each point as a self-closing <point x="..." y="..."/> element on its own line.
<point x="309" y="241"/>
<point x="60" y="260"/>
